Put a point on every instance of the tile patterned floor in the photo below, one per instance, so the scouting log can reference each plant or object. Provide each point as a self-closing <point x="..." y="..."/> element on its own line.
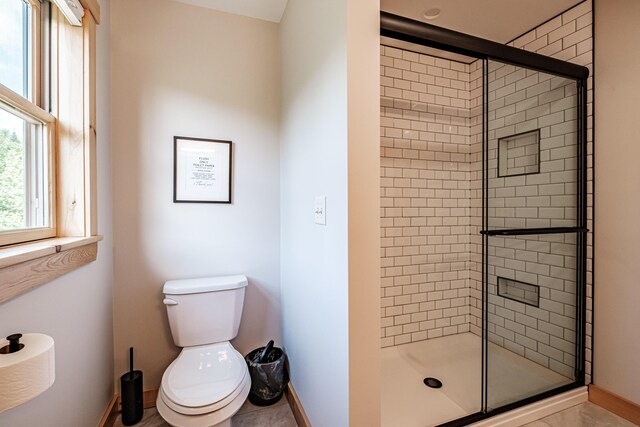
<point x="277" y="415"/>
<point x="583" y="415"/>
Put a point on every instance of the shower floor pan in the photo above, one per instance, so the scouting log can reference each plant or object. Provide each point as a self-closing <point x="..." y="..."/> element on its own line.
<point x="456" y="361"/>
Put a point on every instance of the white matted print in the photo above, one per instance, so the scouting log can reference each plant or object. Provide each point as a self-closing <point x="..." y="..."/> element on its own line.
<point x="201" y="170"/>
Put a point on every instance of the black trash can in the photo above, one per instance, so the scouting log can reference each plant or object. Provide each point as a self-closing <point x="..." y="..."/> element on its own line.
<point x="269" y="377"/>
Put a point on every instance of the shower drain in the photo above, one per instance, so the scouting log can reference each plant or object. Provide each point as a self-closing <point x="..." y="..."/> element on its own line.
<point x="432" y="382"/>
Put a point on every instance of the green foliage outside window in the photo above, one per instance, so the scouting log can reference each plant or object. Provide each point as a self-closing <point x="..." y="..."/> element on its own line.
<point x="11" y="181"/>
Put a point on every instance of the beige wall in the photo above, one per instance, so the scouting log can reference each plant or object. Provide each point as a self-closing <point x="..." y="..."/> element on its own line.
<point x="75" y="309"/>
<point x="190" y="71"/>
<point x="329" y="147"/>
<point x="617" y="254"/>
<point x="313" y="156"/>
<point x="363" y="154"/>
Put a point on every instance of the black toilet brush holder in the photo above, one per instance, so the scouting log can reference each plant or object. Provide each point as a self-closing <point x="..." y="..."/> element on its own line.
<point x="131" y="394"/>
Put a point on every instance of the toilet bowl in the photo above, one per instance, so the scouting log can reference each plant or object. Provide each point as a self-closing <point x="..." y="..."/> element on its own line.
<point x="209" y="381"/>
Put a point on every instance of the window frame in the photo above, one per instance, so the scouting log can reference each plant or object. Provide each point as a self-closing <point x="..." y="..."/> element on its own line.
<point x="32" y="109"/>
<point x="22" y="108"/>
<point x="68" y="90"/>
<point x="38" y="48"/>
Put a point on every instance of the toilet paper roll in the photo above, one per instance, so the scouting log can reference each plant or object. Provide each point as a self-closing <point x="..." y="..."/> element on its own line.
<point x="28" y="372"/>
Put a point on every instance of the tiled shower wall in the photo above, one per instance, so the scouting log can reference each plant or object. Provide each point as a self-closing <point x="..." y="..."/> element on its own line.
<point x="424" y="196"/>
<point x="520" y="101"/>
<point x="517" y="103"/>
<point x="542" y="334"/>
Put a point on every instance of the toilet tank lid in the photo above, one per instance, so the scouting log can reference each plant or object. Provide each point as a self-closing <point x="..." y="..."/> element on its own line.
<point x="204" y="284"/>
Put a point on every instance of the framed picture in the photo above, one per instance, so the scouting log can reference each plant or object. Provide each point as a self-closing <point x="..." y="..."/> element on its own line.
<point x="201" y="170"/>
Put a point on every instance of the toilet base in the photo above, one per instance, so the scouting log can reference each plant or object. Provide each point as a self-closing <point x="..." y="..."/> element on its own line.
<point x="219" y="418"/>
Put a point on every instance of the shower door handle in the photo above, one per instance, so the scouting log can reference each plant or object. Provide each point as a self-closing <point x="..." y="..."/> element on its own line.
<point x="532" y="231"/>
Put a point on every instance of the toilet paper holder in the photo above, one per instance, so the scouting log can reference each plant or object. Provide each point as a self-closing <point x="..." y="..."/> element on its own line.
<point x="27" y="368"/>
<point x="14" y="344"/>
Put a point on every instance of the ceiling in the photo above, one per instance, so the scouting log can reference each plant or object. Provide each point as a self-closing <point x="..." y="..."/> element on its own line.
<point x="497" y="20"/>
<point x="268" y="10"/>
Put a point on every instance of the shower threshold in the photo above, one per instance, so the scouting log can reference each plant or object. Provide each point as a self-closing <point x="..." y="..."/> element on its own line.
<point x="455" y="360"/>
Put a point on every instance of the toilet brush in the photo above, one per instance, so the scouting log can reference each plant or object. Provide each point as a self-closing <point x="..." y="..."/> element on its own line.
<point x="262" y="358"/>
<point x="131" y="393"/>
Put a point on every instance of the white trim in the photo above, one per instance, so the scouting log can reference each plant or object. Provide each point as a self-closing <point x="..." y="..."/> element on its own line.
<point x="537" y="410"/>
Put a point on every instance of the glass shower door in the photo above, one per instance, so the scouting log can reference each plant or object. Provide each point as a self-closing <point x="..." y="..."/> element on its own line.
<point x="534" y="231"/>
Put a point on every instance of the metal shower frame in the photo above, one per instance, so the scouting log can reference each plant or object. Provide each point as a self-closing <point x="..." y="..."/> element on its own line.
<point x="405" y="29"/>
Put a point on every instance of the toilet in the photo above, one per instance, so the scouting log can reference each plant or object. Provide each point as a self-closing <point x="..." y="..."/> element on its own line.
<point x="209" y="381"/>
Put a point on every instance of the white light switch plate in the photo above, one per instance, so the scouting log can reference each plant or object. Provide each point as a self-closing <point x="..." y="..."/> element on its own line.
<point x="320" y="210"/>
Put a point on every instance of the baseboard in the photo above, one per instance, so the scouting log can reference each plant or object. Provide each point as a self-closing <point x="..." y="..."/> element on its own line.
<point x="115" y="407"/>
<point x="110" y="414"/>
<point x="148" y="399"/>
<point x="613" y="403"/>
<point x="537" y="410"/>
<point x="296" y="407"/>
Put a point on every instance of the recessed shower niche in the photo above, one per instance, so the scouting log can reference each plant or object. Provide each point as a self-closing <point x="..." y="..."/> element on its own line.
<point x="483" y="225"/>
<point x="519" y="154"/>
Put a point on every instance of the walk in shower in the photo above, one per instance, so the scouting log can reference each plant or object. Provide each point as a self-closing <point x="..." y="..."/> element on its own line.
<point x="483" y="225"/>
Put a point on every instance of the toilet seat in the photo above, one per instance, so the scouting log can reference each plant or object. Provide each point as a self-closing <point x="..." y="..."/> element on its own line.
<point x="219" y="418"/>
<point x="204" y="379"/>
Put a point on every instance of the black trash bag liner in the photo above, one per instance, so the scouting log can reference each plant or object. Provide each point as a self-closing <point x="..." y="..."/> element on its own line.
<point x="268" y="379"/>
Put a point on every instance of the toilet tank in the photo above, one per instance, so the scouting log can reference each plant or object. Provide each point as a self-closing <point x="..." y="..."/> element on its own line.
<point x="206" y="310"/>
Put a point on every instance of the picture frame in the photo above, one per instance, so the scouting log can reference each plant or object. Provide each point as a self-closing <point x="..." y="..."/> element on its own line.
<point x="202" y="170"/>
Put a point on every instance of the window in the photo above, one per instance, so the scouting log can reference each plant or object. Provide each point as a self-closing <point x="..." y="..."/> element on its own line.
<point x="27" y="210"/>
<point x="16" y="24"/>
<point x="48" y="200"/>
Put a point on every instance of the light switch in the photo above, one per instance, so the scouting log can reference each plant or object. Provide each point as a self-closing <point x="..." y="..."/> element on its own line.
<point x="320" y="210"/>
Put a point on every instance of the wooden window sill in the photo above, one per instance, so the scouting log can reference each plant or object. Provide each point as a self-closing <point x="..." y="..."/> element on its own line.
<point x="24" y="267"/>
